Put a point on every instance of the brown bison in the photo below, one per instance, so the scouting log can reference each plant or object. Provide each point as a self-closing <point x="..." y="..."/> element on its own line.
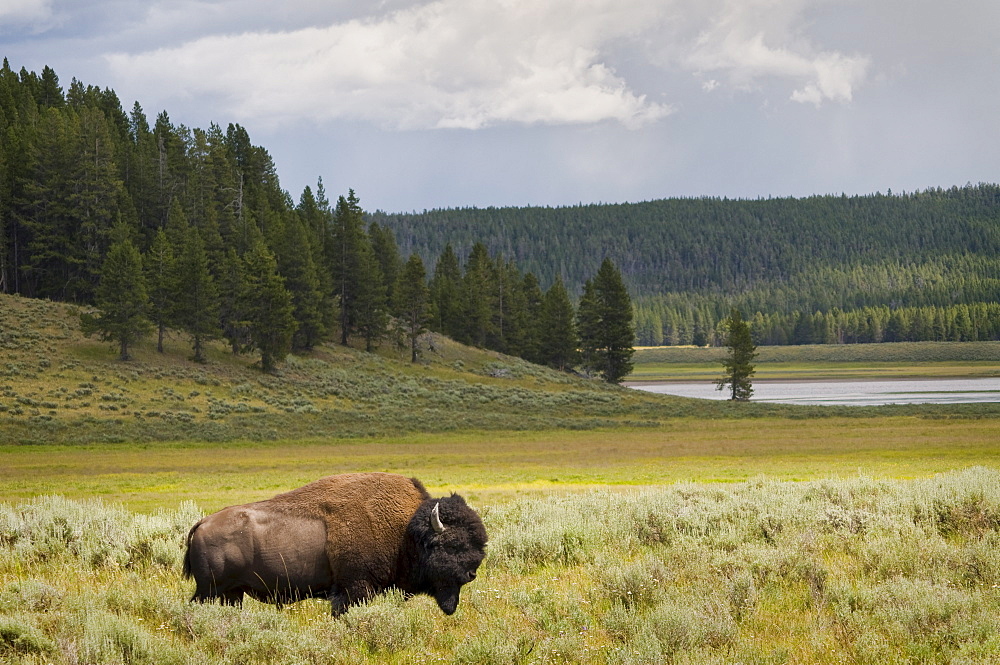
<point x="344" y="538"/>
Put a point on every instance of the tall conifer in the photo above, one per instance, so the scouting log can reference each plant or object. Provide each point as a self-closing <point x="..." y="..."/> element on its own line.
<point x="412" y="301"/>
<point x="268" y="308"/>
<point x="121" y="298"/>
<point x="296" y="265"/>
<point x="346" y="247"/>
<point x="161" y="276"/>
<point x="557" y="338"/>
<point x="232" y="316"/>
<point x="371" y="309"/>
<point x="477" y="297"/>
<point x="738" y="364"/>
<point x="607" y="333"/>
<point x="446" y="294"/>
<point x="387" y="254"/>
<point x="197" y="299"/>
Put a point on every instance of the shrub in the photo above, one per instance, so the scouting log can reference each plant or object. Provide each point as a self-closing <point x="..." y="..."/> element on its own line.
<point x="18" y="637"/>
<point x="388" y="624"/>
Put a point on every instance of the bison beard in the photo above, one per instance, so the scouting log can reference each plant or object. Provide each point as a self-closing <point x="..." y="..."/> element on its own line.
<point x="344" y="538"/>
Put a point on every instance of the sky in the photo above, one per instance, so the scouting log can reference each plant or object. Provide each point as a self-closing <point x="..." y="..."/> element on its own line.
<point x="452" y="103"/>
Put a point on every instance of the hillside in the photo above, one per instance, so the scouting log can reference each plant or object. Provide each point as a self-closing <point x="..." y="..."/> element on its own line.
<point x="728" y="247"/>
<point x="933" y="256"/>
<point x="58" y="386"/>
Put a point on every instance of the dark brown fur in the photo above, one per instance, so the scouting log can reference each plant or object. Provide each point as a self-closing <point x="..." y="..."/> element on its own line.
<point x="343" y="537"/>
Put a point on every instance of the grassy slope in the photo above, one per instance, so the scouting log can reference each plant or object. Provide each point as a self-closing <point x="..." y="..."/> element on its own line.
<point x="827" y="361"/>
<point x="58" y="387"/>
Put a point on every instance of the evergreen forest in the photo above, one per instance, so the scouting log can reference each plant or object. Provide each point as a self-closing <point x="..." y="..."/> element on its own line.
<point x="824" y="269"/>
<point x="194" y="222"/>
<point x="154" y="226"/>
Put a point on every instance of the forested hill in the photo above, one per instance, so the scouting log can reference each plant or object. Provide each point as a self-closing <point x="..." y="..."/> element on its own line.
<point x="687" y="261"/>
<point x="720" y="245"/>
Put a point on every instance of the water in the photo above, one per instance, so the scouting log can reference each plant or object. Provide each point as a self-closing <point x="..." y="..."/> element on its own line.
<point x="851" y="393"/>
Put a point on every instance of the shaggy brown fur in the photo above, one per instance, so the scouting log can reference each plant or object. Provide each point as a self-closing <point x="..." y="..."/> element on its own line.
<point x="342" y="537"/>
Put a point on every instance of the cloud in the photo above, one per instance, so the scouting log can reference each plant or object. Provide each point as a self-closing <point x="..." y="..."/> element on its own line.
<point x="752" y="40"/>
<point x="451" y="63"/>
<point x="479" y="63"/>
<point x="25" y="12"/>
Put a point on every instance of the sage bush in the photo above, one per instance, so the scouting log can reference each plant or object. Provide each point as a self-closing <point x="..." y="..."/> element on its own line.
<point x="856" y="570"/>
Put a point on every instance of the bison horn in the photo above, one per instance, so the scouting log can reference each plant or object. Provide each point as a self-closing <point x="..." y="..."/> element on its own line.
<point x="436" y="522"/>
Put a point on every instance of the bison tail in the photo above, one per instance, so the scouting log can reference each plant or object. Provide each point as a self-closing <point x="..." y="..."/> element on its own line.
<point x="187" y="553"/>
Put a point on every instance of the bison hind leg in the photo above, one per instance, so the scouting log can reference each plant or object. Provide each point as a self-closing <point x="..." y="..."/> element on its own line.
<point x="228" y="597"/>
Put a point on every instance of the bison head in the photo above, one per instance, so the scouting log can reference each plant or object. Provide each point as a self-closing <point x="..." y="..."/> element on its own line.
<point x="451" y="543"/>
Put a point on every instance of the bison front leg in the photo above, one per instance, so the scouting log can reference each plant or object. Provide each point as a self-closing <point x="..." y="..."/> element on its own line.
<point x="232" y="597"/>
<point x="338" y="602"/>
<point x="342" y="598"/>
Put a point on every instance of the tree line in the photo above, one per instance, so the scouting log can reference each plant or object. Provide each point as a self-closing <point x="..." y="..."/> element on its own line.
<point x="163" y="227"/>
<point x="660" y="324"/>
<point x="688" y="262"/>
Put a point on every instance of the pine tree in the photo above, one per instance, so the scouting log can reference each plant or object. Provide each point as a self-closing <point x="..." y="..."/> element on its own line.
<point x="446" y="295"/>
<point x="557" y="336"/>
<point x="412" y="301"/>
<point x="738" y="365"/>
<point x="387" y="254"/>
<point x="346" y="246"/>
<point x="532" y="319"/>
<point x="44" y="212"/>
<point x="477" y="297"/>
<point x="197" y="299"/>
<point x="296" y="265"/>
<point x="120" y="297"/>
<point x="588" y="322"/>
<point x="161" y="275"/>
<point x="268" y="308"/>
<point x="507" y="332"/>
<point x="371" y="309"/>
<point x="231" y="314"/>
<point x="605" y="325"/>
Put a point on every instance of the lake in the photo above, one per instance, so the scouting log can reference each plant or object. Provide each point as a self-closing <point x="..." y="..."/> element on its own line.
<point x="851" y="393"/>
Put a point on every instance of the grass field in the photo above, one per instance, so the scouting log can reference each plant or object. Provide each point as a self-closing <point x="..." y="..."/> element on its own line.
<point x="903" y="360"/>
<point x="625" y="527"/>
<point x="832" y="571"/>
<point x="500" y="465"/>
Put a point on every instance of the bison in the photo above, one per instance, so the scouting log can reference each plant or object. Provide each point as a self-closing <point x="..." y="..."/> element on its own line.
<point x="344" y="538"/>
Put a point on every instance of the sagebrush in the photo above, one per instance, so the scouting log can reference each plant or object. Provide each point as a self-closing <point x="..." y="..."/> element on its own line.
<point x="861" y="570"/>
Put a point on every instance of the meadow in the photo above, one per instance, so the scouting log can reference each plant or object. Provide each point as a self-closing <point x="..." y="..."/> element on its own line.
<point x="502" y="466"/>
<point x="900" y="360"/>
<point x="857" y="570"/>
<point x="624" y="527"/>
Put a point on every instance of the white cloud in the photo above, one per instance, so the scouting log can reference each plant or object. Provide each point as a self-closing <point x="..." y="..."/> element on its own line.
<point x="751" y="40"/>
<point x="477" y="63"/>
<point x="451" y="63"/>
<point x="25" y="12"/>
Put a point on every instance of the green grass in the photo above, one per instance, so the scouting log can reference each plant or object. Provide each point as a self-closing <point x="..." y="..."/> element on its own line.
<point x="827" y="361"/>
<point x="859" y="570"/>
<point x="506" y="464"/>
